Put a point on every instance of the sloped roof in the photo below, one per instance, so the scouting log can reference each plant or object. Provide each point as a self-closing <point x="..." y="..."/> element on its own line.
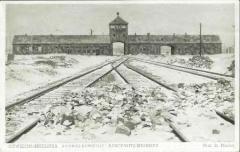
<point x="173" y="39"/>
<point x="118" y="21"/>
<point x="100" y="39"/>
<point x="60" y="39"/>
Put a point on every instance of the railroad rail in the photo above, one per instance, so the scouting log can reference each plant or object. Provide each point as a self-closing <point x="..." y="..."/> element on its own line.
<point x="22" y="131"/>
<point x="198" y="72"/>
<point x="33" y="123"/>
<point x="55" y="86"/>
<point x="178" y="133"/>
<point x="124" y="79"/>
<point x="175" y="130"/>
<point x="150" y="78"/>
<point x="106" y="73"/>
<point x="225" y="117"/>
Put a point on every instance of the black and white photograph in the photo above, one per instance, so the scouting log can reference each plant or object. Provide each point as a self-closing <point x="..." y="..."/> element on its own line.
<point x="121" y="72"/>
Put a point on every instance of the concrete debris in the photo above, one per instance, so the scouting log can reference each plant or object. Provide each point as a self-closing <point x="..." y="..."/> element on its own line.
<point x="180" y="85"/>
<point x="126" y="110"/>
<point x="200" y="62"/>
<point x="193" y="62"/>
<point x="121" y="129"/>
<point x="223" y="82"/>
<point x="123" y="108"/>
<point x="215" y="131"/>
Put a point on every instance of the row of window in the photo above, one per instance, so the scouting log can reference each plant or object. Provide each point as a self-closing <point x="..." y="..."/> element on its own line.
<point x="48" y="49"/>
<point x="118" y="26"/>
<point x="119" y="35"/>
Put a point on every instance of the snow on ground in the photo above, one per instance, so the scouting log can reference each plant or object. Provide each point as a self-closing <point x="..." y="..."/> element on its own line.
<point x="106" y="114"/>
<point x="170" y="76"/>
<point x="111" y="79"/>
<point x="221" y="61"/>
<point x="200" y="124"/>
<point x="28" y="72"/>
<point x="117" y="113"/>
<point x="138" y="81"/>
<point x="196" y="111"/>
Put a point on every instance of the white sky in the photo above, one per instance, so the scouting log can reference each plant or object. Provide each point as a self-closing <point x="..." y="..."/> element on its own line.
<point x="142" y="18"/>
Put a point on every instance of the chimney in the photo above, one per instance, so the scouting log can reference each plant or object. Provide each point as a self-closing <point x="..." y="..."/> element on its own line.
<point x="185" y="37"/>
<point x="91" y="32"/>
<point x="148" y="36"/>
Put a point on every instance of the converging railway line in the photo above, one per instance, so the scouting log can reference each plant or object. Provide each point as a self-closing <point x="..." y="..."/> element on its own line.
<point x="16" y="126"/>
<point x="198" y="72"/>
<point x="123" y="73"/>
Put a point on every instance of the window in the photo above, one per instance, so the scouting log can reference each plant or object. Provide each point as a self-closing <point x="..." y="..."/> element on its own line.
<point x="39" y="49"/>
<point x="18" y="48"/>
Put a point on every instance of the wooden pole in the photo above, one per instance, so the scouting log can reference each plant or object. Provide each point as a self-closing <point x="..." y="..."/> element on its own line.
<point x="91" y="32"/>
<point x="200" y="39"/>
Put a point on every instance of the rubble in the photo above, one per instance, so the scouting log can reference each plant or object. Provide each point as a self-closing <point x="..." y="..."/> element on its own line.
<point x="215" y="131"/>
<point x="193" y="62"/>
<point x="213" y="95"/>
<point x="200" y="62"/>
<point x="121" y="129"/>
<point x="129" y="111"/>
<point x="123" y="108"/>
<point x="231" y="68"/>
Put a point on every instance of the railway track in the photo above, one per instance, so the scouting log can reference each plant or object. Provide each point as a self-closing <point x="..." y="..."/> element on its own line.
<point x="220" y="114"/>
<point x="56" y="85"/>
<point x="150" y="78"/>
<point x="225" y="117"/>
<point x="89" y="79"/>
<point x="18" y="113"/>
<point x="122" y="73"/>
<point x="30" y="125"/>
<point x="198" y="72"/>
<point x="175" y="129"/>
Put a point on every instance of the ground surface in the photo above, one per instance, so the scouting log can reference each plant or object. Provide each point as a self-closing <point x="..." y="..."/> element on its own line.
<point x="111" y="111"/>
<point x="221" y="62"/>
<point x="28" y="72"/>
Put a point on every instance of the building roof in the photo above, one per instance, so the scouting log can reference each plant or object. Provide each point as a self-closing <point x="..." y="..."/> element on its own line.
<point x="60" y="39"/>
<point x="118" y="21"/>
<point x="105" y="39"/>
<point x="173" y="39"/>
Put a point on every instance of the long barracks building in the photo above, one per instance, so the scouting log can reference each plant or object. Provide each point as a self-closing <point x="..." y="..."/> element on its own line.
<point x="118" y="32"/>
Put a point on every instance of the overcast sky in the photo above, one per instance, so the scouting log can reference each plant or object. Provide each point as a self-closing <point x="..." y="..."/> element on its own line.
<point x="142" y="18"/>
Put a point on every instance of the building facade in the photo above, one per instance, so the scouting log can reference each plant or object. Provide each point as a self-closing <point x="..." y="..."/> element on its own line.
<point x="118" y="32"/>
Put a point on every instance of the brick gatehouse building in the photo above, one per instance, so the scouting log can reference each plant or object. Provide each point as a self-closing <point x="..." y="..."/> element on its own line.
<point x="118" y="32"/>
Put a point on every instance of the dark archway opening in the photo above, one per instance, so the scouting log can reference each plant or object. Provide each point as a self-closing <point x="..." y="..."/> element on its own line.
<point x="97" y="52"/>
<point x="173" y="51"/>
<point x="118" y="48"/>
